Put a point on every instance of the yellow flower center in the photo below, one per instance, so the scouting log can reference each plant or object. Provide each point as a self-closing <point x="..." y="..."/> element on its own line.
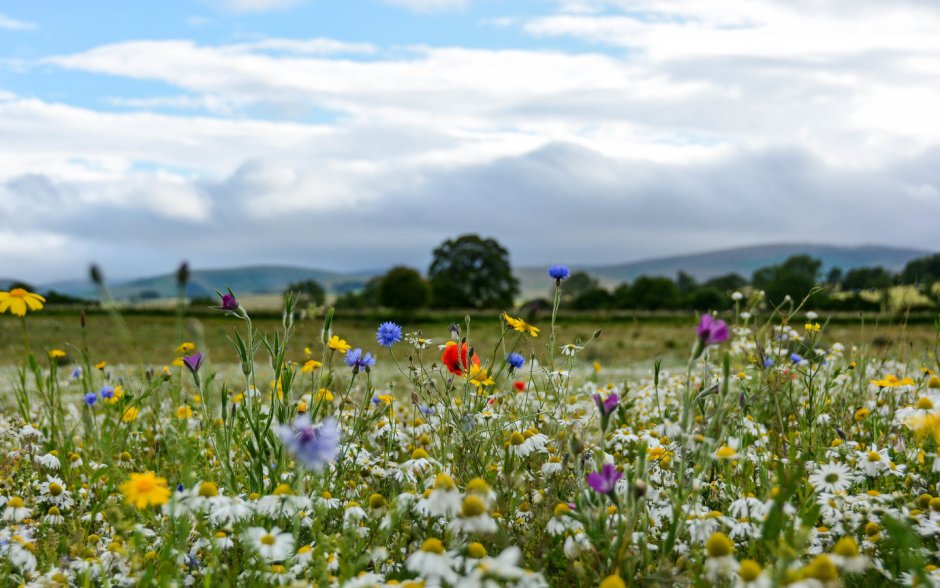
<point x="16" y="502"/>
<point x="472" y="507"/>
<point x="55" y="489"/>
<point x="432" y="545"/>
<point x="725" y="452"/>
<point x="476" y="550"/>
<point x="208" y="489"/>
<point x="924" y="403"/>
<point x="267" y="539"/>
<point x="516" y="438"/>
<point x="749" y="570"/>
<point x="612" y="582"/>
<point x="874" y="456"/>
<point x="478" y="485"/>
<point x="719" y="545"/>
<point x="846" y="547"/>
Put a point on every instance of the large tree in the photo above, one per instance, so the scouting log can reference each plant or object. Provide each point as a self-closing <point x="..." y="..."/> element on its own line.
<point x="795" y="277"/>
<point x="471" y="272"/>
<point x="403" y="288"/>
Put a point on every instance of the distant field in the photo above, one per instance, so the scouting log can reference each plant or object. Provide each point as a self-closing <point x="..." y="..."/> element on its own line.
<point x="155" y="337"/>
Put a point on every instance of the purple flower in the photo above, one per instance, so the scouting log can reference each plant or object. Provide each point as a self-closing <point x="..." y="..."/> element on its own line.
<point x="605" y="481"/>
<point x="388" y="334"/>
<point x="194" y="361"/>
<point x="559" y="272"/>
<point x="313" y="446"/>
<point x="515" y="360"/>
<point x="359" y="360"/>
<point x="91" y="398"/>
<point x="607" y="405"/>
<point x="107" y="392"/>
<point x="227" y="302"/>
<point x="711" y="330"/>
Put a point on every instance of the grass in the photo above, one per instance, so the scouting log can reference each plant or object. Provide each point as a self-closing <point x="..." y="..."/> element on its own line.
<point x="155" y="336"/>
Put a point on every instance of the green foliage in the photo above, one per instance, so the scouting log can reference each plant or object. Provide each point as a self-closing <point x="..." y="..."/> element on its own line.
<point x="654" y="293"/>
<point x="471" y="272"/>
<point x="403" y="288"/>
<point x="867" y="278"/>
<point x="593" y="299"/>
<point x="795" y="277"/>
<point x="310" y="292"/>
<point x="924" y="269"/>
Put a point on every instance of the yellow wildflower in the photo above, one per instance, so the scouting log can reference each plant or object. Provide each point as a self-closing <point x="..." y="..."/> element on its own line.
<point x="337" y="344"/>
<point x="186" y="348"/>
<point x="310" y="365"/>
<point x="18" y="300"/>
<point x="520" y="325"/>
<point x="143" y="490"/>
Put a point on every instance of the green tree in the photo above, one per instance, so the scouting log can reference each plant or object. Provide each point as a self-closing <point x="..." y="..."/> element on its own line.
<point x="655" y="293"/>
<point x="403" y="288"/>
<point x="593" y="299"/>
<point x="707" y="298"/>
<point x="311" y="292"/>
<point x="727" y="283"/>
<point x="577" y="284"/>
<point x="622" y="296"/>
<point x="471" y="272"/>
<point x="795" y="277"/>
<point x="868" y="278"/>
<point x="686" y="284"/>
<point x="922" y="270"/>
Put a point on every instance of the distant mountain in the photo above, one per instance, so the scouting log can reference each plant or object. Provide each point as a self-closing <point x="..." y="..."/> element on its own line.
<point x="243" y="280"/>
<point x="740" y="260"/>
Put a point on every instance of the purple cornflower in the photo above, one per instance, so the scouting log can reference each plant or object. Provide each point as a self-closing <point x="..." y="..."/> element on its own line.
<point x="77" y="373"/>
<point x="227" y="302"/>
<point x="359" y="360"/>
<point x="605" y="481"/>
<point x="515" y="360"/>
<point x="711" y="330"/>
<point x="607" y="405"/>
<point x="559" y="273"/>
<point x="796" y="358"/>
<point x="313" y="446"/>
<point x="194" y="361"/>
<point x="107" y="392"/>
<point x="388" y="334"/>
<point x="91" y="398"/>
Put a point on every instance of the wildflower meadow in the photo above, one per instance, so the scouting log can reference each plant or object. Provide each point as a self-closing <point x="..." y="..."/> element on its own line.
<point x="773" y="456"/>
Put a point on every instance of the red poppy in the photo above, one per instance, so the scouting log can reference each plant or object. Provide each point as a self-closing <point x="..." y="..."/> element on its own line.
<point x="457" y="364"/>
<point x="519" y="385"/>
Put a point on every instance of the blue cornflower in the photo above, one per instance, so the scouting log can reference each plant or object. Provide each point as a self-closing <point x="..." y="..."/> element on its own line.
<point x="796" y="358"/>
<point x="107" y="392"/>
<point x="91" y="398"/>
<point x="515" y="360"/>
<point x="559" y="272"/>
<point x="77" y="373"/>
<point x="388" y="334"/>
<point x="314" y="446"/>
<point x="768" y="362"/>
<point x="359" y="360"/>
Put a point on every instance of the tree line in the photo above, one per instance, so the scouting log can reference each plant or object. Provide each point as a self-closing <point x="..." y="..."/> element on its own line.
<point x="472" y="272"/>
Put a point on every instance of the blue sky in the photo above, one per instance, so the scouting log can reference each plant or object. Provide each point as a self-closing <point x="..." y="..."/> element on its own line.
<point x="359" y="134"/>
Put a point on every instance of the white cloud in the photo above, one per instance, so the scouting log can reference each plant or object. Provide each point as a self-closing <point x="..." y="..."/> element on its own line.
<point x="13" y="24"/>
<point x="430" y="5"/>
<point x="258" y="5"/>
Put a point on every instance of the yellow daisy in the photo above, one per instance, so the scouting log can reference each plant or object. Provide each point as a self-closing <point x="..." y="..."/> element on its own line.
<point x="18" y="300"/>
<point x="520" y="325"/>
<point x="337" y="344"/>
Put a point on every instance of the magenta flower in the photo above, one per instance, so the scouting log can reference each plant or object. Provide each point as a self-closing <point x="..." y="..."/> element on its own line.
<point x="227" y="302"/>
<point x="607" y="405"/>
<point x="194" y="361"/>
<point x="711" y="330"/>
<point x="605" y="481"/>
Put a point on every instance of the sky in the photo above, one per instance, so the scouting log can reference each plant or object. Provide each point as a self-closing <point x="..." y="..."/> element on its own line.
<point x="357" y="134"/>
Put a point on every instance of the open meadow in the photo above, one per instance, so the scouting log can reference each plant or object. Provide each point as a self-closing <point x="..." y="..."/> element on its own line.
<point x="771" y="449"/>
